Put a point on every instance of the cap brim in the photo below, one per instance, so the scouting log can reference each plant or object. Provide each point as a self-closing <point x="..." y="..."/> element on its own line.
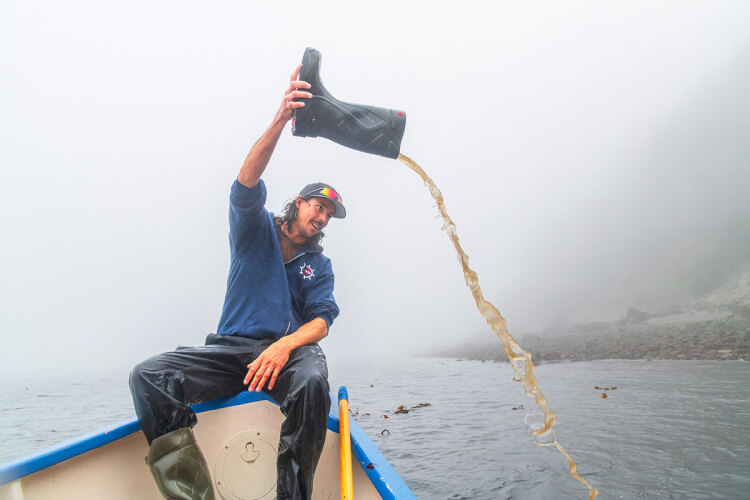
<point x="340" y="210"/>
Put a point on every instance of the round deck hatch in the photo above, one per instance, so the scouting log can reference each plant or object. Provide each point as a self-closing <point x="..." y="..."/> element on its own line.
<point x="246" y="467"/>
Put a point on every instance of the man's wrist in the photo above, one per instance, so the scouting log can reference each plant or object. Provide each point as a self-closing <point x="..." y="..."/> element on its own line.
<point x="287" y="342"/>
<point x="279" y="119"/>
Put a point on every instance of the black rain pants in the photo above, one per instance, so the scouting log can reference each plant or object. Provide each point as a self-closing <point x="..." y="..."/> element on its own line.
<point x="164" y="385"/>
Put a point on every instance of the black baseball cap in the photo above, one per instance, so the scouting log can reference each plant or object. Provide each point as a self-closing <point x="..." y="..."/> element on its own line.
<point x="323" y="190"/>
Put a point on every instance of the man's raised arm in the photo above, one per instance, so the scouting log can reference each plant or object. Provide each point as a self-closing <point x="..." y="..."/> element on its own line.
<point x="260" y="154"/>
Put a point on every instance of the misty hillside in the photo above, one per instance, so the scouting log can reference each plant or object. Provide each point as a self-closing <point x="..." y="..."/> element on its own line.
<point x="669" y="273"/>
<point x="715" y="325"/>
<point x="730" y="299"/>
<point x="677" y="228"/>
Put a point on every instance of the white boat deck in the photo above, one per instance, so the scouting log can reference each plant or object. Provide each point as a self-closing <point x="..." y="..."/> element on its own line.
<point x="238" y="436"/>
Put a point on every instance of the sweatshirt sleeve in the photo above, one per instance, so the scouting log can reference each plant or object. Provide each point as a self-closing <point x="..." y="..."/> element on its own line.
<point x="319" y="302"/>
<point x="246" y="208"/>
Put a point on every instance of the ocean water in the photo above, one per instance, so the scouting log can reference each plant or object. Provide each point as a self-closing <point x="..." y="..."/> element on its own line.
<point x="670" y="429"/>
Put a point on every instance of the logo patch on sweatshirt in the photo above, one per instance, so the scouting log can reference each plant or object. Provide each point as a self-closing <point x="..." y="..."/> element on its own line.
<point x="306" y="271"/>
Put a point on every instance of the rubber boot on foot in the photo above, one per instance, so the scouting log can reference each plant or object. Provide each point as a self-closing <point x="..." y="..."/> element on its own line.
<point x="179" y="468"/>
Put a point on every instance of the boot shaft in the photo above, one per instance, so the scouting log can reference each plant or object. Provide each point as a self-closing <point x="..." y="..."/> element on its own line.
<point x="178" y="466"/>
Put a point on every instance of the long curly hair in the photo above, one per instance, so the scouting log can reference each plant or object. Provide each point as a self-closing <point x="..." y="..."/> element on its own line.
<point x="288" y="214"/>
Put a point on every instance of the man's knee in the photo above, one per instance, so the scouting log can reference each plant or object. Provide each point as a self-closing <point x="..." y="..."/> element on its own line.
<point x="304" y="380"/>
<point x="147" y="373"/>
<point x="138" y="375"/>
<point x="312" y="371"/>
<point x="316" y="381"/>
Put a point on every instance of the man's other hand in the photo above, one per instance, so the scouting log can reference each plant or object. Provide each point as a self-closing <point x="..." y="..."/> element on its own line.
<point x="266" y="367"/>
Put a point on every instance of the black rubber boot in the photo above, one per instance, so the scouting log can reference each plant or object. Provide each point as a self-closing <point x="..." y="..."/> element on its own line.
<point x="364" y="128"/>
<point x="179" y="468"/>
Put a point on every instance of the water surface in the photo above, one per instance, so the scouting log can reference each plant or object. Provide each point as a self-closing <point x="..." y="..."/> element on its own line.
<point x="671" y="429"/>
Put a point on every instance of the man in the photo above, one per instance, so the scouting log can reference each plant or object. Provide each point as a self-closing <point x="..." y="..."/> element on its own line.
<point x="279" y="303"/>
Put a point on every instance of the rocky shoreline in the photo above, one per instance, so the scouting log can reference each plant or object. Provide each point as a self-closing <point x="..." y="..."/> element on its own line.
<point x="722" y="338"/>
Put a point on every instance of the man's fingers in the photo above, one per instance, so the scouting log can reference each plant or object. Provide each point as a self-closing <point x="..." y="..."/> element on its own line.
<point x="250" y="372"/>
<point x="297" y="89"/>
<point x="296" y="72"/>
<point x="253" y="383"/>
<point x="260" y="378"/>
<point x="255" y="370"/>
<point x="272" y="382"/>
<point x="300" y="93"/>
<point x="289" y="101"/>
<point x="300" y="84"/>
<point x="255" y="379"/>
<point x="263" y="380"/>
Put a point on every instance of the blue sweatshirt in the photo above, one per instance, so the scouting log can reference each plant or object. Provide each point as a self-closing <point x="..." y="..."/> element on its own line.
<point x="267" y="298"/>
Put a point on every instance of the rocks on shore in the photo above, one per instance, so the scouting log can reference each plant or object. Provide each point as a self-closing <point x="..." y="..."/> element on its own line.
<point x="639" y="337"/>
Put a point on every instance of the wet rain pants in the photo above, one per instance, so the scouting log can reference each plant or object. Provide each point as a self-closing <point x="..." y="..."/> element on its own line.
<point x="164" y="385"/>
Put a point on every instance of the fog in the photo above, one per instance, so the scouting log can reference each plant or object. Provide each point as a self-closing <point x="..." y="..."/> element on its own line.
<point x="586" y="151"/>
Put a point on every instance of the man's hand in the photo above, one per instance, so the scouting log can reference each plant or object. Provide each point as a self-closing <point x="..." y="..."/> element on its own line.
<point x="267" y="366"/>
<point x="260" y="154"/>
<point x="288" y="104"/>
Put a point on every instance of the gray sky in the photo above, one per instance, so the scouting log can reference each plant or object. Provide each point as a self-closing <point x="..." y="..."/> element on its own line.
<point x="123" y="124"/>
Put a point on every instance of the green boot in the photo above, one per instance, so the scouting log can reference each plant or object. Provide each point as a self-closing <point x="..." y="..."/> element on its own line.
<point x="179" y="468"/>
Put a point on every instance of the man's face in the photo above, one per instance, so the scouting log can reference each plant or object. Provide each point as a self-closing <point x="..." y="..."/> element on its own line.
<point x="313" y="215"/>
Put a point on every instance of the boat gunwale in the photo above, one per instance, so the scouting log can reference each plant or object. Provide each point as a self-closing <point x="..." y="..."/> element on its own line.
<point x="383" y="476"/>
